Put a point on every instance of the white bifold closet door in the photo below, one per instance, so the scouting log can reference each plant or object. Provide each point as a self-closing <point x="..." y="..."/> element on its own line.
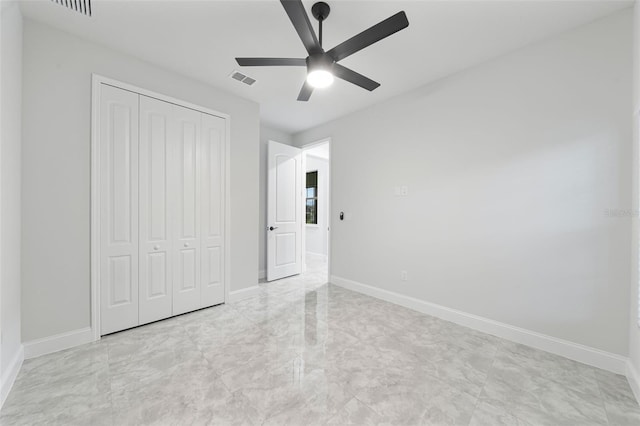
<point x="156" y="176"/>
<point x="186" y="272"/>
<point x="162" y="209"/>
<point x="213" y="174"/>
<point x="118" y="209"/>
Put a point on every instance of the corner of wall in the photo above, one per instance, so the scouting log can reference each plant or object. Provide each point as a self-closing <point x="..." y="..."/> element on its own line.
<point x="634" y="379"/>
<point x="11" y="349"/>
<point x="10" y="374"/>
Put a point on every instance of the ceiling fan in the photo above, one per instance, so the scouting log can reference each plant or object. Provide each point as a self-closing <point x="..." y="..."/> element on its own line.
<point x="322" y="66"/>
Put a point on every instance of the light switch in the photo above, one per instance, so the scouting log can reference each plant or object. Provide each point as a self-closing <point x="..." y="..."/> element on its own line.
<point x="404" y="191"/>
<point x="397" y="191"/>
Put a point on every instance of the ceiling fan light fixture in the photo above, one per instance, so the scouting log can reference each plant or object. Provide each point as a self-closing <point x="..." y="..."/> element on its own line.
<point x="320" y="78"/>
<point x="323" y="65"/>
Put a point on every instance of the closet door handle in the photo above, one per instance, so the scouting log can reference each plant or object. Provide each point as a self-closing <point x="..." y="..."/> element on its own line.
<point x="156" y="247"/>
<point x="186" y="244"/>
<point x="271" y="228"/>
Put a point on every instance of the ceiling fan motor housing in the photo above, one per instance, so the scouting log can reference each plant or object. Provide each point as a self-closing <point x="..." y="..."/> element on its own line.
<point x="320" y="61"/>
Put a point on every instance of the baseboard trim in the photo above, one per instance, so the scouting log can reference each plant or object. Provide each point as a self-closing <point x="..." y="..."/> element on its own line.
<point x="9" y="377"/>
<point x="323" y="256"/>
<point x="262" y="274"/>
<point x="634" y="379"/>
<point x="575" y="351"/>
<point x="58" y="342"/>
<point x="244" y="293"/>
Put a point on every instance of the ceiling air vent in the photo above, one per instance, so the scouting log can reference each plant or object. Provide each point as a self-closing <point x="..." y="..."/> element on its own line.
<point x="82" y="6"/>
<point x="243" y="78"/>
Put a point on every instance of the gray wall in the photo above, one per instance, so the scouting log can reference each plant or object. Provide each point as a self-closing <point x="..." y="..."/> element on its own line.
<point x="634" y="299"/>
<point x="10" y="141"/>
<point x="510" y="167"/>
<point x="56" y="171"/>
<point x="266" y="134"/>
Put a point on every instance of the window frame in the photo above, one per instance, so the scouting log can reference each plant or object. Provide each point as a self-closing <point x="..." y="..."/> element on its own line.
<point x="315" y="198"/>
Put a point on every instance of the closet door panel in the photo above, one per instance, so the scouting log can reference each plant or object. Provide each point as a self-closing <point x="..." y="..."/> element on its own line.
<point x="186" y="283"/>
<point x="118" y="176"/>
<point x="156" y="278"/>
<point x="212" y="198"/>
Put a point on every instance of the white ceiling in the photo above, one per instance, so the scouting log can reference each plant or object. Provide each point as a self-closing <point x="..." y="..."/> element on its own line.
<point x="200" y="39"/>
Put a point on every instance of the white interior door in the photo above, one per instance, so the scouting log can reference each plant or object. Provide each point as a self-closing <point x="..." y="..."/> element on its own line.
<point x="212" y="197"/>
<point x="187" y="250"/>
<point x="118" y="180"/>
<point x="284" y="211"/>
<point x="156" y="153"/>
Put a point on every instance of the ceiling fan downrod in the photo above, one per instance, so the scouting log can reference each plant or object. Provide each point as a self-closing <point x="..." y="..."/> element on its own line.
<point x="320" y="11"/>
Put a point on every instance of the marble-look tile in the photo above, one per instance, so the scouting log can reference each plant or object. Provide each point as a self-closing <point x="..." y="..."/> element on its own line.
<point x="69" y="405"/>
<point x="355" y="412"/>
<point x="622" y="415"/>
<point x="540" y="400"/>
<point x="263" y="361"/>
<point x="149" y="363"/>
<point x="302" y="351"/>
<point x="329" y="399"/>
<point x="615" y="389"/>
<point x="419" y="402"/>
<point x="456" y="365"/>
<point x="276" y="389"/>
<point x="68" y="387"/>
<point x="534" y="363"/>
<point x="487" y="414"/>
<point x="427" y="330"/>
<point x="172" y="397"/>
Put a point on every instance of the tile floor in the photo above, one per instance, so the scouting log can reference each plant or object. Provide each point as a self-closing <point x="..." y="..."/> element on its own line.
<point x="306" y="352"/>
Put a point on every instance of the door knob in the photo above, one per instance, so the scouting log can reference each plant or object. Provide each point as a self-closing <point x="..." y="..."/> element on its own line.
<point x="271" y="228"/>
<point x="156" y="247"/>
<point x="186" y="244"/>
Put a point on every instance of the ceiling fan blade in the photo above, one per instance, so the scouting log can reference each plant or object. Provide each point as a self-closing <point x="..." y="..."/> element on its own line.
<point x="266" y="62"/>
<point x="305" y="92"/>
<point x="300" y="21"/>
<point x="355" y="78"/>
<point x="366" y="38"/>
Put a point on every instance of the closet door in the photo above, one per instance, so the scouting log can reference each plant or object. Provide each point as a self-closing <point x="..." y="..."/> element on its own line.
<point x="212" y="198"/>
<point x="155" y="217"/>
<point x="187" y="248"/>
<point x="118" y="183"/>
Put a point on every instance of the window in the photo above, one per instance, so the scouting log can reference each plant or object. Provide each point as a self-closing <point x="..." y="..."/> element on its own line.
<point x="312" y="198"/>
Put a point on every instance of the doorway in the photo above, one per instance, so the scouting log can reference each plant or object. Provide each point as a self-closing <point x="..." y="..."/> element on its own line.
<point x="316" y="241"/>
<point x="298" y="205"/>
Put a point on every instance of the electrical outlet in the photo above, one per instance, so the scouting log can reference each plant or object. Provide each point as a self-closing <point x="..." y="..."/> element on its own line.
<point x="404" y="276"/>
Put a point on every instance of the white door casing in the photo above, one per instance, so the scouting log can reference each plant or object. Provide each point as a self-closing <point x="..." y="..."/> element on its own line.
<point x="156" y="251"/>
<point x="213" y="214"/>
<point x="118" y="170"/>
<point x="187" y="249"/>
<point x="284" y="211"/>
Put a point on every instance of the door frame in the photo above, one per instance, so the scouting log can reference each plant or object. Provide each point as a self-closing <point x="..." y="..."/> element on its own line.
<point x="305" y="148"/>
<point x="96" y="81"/>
